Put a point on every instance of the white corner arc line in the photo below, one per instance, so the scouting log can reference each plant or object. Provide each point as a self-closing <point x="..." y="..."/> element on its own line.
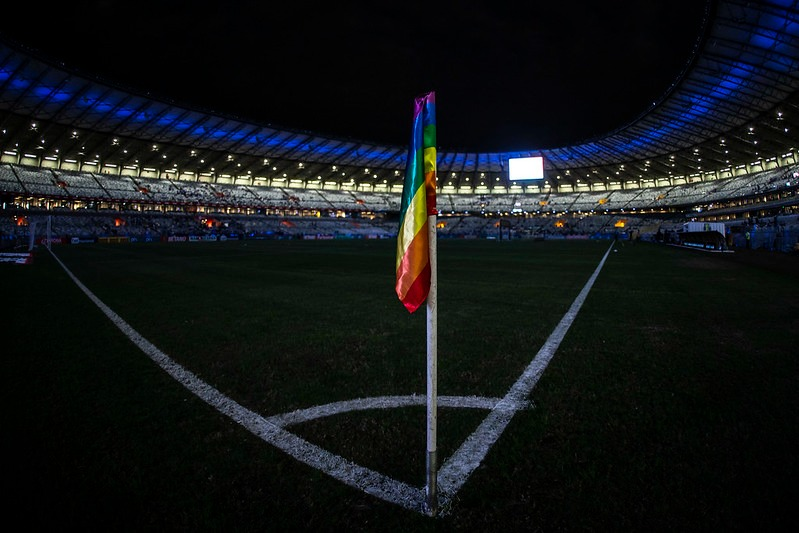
<point x="453" y="473"/>
<point x="382" y="402"/>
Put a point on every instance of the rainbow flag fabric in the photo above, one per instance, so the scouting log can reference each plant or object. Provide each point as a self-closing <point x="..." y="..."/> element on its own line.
<point x="418" y="203"/>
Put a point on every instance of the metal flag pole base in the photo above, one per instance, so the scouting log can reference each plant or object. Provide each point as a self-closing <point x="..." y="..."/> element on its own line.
<point x="431" y="490"/>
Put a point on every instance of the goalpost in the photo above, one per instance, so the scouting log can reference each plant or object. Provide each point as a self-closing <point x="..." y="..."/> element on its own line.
<point x="40" y="229"/>
<point x="45" y="229"/>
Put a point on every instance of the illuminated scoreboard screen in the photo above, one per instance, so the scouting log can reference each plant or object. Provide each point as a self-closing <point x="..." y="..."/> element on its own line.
<point x="525" y="168"/>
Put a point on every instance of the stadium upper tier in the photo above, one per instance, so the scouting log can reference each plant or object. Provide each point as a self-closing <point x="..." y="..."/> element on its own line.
<point x="733" y="110"/>
<point x="25" y="188"/>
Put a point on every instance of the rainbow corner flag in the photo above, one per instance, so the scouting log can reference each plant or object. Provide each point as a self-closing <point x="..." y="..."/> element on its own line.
<point x="418" y="203"/>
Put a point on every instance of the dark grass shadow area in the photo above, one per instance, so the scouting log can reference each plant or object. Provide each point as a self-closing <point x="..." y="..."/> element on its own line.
<point x="670" y="405"/>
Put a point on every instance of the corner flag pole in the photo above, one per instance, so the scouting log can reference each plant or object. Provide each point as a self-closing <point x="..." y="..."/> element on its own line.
<point x="416" y="258"/>
<point x="432" y="380"/>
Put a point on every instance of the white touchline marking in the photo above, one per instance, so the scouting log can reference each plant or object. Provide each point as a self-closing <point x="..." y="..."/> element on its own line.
<point x="461" y="464"/>
<point x="337" y="467"/>
<point x="453" y="473"/>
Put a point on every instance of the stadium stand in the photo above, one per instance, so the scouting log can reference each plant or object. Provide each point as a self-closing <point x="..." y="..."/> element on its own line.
<point x="77" y="198"/>
<point x="719" y="146"/>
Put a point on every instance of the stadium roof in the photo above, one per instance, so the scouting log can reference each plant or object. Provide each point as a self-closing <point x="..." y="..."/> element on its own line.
<point x="736" y="102"/>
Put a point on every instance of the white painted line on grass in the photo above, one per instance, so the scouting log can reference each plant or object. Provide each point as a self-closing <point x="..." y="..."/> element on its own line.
<point x="453" y="473"/>
<point x="461" y="464"/>
<point x="382" y="402"/>
<point x="337" y="467"/>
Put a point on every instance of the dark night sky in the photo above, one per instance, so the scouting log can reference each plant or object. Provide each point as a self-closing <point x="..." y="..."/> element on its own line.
<point x="506" y="78"/>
